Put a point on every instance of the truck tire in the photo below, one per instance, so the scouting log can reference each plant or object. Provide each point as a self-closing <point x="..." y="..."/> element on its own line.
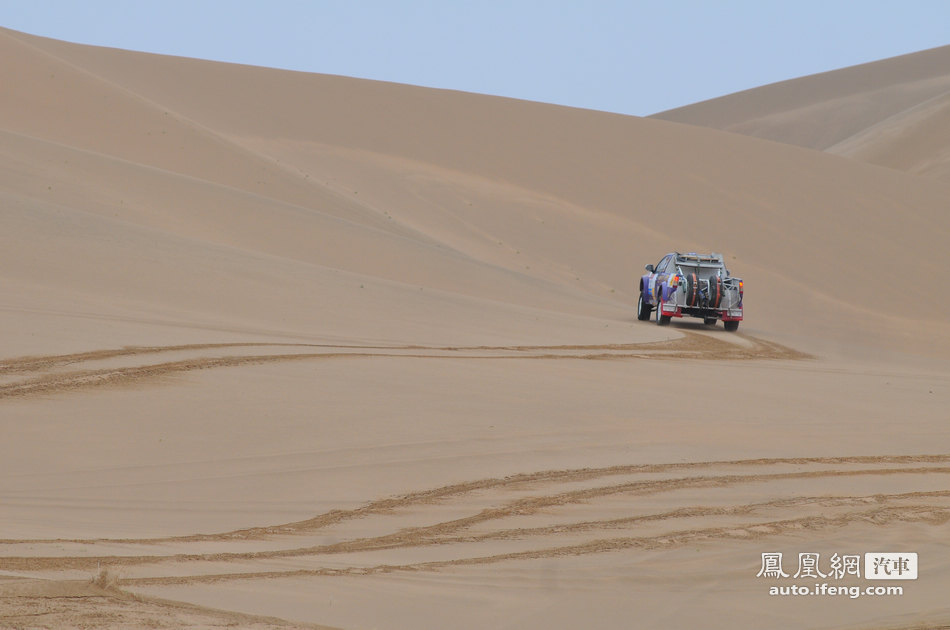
<point x="731" y="326"/>
<point x="715" y="292"/>
<point x="643" y="309"/>
<point x="692" y="290"/>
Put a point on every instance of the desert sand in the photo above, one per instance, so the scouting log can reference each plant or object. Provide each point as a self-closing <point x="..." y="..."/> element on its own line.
<point x="294" y="350"/>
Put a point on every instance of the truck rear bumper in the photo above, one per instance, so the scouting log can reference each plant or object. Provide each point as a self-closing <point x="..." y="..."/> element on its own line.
<point x="726" y="315"/>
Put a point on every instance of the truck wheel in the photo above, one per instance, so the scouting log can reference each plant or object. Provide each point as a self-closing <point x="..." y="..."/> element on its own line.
<point x="710" y="321"/>
<point x="731" y="326"/>
<point x="661" y="319"/>
<point x="643" y="309"/>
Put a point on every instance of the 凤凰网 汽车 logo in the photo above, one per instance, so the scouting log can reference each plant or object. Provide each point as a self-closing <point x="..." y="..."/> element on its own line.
<point x="877" y="565"/>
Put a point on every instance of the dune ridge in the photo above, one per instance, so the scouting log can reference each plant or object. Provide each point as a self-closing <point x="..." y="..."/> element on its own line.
<point x="890" y="112"/>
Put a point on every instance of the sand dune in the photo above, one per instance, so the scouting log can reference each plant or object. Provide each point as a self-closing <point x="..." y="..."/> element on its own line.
<point x="541" y="194"/>
<point x="288" y="349"/>
<point x="914" y="140"/>
<point x="891" y="112"/>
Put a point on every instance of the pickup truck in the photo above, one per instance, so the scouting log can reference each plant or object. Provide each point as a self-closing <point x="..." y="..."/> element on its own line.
<point x="694" y="285"/>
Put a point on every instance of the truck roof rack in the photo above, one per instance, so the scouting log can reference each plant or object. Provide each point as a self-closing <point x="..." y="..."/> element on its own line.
<point x="693" y="257"/>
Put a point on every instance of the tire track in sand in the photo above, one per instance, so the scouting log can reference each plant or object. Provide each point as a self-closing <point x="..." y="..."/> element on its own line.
<point x="881" y="516"/>
<point x="540" y="524"/>
<point x="433" y="495"/>
<point x="53" y="379"/>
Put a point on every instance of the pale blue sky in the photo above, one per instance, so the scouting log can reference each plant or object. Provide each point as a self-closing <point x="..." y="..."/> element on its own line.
<point x="628" y="57"/>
